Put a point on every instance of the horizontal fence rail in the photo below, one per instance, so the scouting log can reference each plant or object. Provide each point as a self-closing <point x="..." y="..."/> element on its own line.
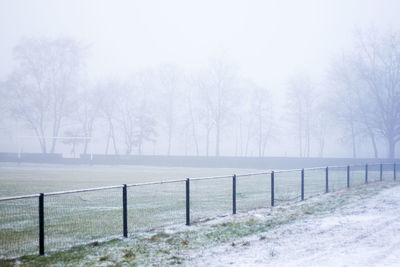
<point x="19" y="197"/>
<point x="59" y="220"/>
<point x="83" y="190"/>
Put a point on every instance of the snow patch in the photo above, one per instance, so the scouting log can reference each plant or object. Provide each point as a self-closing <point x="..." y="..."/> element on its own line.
<point x="364" y="233"/>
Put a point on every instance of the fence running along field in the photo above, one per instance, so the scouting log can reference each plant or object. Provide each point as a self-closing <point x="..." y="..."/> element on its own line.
<point x="53" y="221"/>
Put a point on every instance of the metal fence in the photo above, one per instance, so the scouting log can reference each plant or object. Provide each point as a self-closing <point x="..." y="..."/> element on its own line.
<point x="59" y="220"/>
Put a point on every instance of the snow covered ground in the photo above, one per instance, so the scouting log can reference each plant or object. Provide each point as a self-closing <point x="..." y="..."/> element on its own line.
<point x="364" y="233"/>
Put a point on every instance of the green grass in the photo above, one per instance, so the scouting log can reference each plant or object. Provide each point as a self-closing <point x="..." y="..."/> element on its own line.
<point x="81" y="218"/>
<point x="84" y="217"/>
<point x="43" y="178"/>
<point x="168" y="248"/>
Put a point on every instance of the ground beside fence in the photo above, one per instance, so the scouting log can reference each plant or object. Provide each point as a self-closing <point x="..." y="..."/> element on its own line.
<point x="181" y="244"/>
<point x="363" y="233"/>
<point x="60" y="220"/>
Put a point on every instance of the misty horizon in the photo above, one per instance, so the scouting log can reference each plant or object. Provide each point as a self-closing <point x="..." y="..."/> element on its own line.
<point x="219" y="78"/>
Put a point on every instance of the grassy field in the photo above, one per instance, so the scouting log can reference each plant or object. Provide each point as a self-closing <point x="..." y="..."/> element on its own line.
<point x="81" y="218"/>
<point x="181" y="245"/>
<point x="42" y="178"/>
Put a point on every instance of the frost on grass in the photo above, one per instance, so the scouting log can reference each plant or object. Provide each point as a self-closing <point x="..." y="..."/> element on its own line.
<point x="355" y="226"/>
<point x="363" y="233"/>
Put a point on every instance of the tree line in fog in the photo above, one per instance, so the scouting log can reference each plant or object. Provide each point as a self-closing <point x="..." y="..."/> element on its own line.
<point x="201" y="110"/>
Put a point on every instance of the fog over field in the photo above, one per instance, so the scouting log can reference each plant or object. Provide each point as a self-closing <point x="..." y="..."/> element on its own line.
<point x="201" y="78"/>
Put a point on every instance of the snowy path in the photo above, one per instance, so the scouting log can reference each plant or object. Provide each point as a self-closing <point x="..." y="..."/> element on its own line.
<point x="365" y="233"/>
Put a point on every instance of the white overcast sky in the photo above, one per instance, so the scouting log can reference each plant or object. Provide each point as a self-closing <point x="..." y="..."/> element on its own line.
<point x="268" y="40"/>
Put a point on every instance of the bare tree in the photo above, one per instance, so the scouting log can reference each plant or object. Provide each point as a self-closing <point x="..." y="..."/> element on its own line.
<point x="170" y="80"/>
<point x="86" y="114"/>
<point x="377" y="66"/>
<point x="205" y="111"/>
<point x="73" y="138"/>
<point x="344" y="101"/>
<point x="108" y="98"/>
<point x="245" y="130"/>
<point x="126" y="115"/>
<point x="301" y="95"/>
<point x="262" y="112"/>
<point x="145" y="127"/>
<point x="41" y="87"/>
<point x="216" y="94"/>
<point x="192" y="108"/>
<point x="368" y="81"/>
<point x="135" y="116"/>
<point x="320" y="126"/>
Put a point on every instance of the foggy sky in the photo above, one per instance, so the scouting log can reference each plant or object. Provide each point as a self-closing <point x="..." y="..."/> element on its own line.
<point x="267" y="41"/>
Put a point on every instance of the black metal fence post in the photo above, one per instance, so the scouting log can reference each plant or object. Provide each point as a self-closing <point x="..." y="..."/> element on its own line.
<point x="394" y="171"/>
<point x="302" y="184"/>
<point x="272" y="188"/>
<point x="125" y="210"/>
<point x="380" y="172"/>
<point x="187" y="201"/>
<point x="326" y="180"/>
<point x="41" y="224"/>
<point x="348" y="176"/>
<point x="366" y="173"/>
<point x="234" y="194"/>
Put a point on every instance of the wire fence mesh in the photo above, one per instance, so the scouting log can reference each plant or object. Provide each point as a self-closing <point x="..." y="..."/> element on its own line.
<point x="210" y="198"/>
<point x="287" y="186"/>
<point x="253" y="192"/>
<point x="374" y="172"/>
<point x="357" y="175"/>
<point x="19" y="227"/>
<point x="314" y="182"/>
<point x="79" y="218"/>
<point x="337" y="178"/>
<point x="390" y="171"/>
<point x="385" y="172"/>
<point x="83" y="216"/>
<point x="155" y="205"/>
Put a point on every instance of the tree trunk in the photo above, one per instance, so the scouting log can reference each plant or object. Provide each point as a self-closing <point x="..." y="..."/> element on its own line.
<point x="236" y="144"/>
<point x="193" y="124"/>
<point x="240" y="136"/>
<point x="114" y="142"/>
<point x="56" y="129"/>
<point x="300" y="140"/>
<point x="169" y="140"/>
<point x="217" y="140"/>
<point x="353" y="141"/>
<point x="42" y="140"/>
<point x="373" y="142"/>
<point x="108" y="141"/>
<point x="207" y="142"/>
<point x="85" y="147"/>
<point x="308" y="137"/>
<point x="73" y="149"/>
<point x="246" y="147"/>
<point x="53" y="144"/>
<point x="140" y="148"/>
<point x="196" y="143"/>
<point x="264" y="146"/>
<point x="42" y="143"/>
<point x="260" y="141"/>
<point x="391" y="148"/>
